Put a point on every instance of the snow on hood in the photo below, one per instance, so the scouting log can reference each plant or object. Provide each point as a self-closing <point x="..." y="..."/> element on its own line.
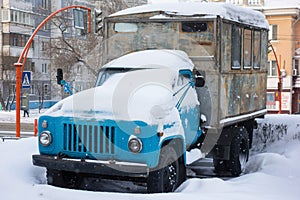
<point x="144" y="93"/>
<point x="134" y="95"/>
<point x="224" y="10"/>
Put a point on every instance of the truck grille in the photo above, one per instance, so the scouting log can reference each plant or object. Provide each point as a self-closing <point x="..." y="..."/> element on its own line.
<point x="89" y="138"/>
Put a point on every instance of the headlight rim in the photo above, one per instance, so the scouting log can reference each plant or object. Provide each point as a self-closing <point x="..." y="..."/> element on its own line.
<point x="138" y="141"/>
<point x="48" y="134"/>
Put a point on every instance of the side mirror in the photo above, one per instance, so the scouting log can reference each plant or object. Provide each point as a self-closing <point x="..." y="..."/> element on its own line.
<point x="199" y="80"/>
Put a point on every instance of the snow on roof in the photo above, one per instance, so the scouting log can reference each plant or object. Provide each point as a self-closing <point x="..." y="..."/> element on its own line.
<point x="173" y="59"/>
<point x="224" y="10"/>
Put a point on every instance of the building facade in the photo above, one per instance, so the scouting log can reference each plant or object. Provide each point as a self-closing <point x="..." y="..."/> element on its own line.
<point x="17" y="23"/>
<point x="284" y="35"/>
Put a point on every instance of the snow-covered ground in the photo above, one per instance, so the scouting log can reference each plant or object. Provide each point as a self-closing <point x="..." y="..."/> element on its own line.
<point x="272" y="173"/>
<point x="10" y="117"/>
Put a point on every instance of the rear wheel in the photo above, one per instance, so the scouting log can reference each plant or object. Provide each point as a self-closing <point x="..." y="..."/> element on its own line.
<point x="167" y="176"/>
<point x="239" y="154"/>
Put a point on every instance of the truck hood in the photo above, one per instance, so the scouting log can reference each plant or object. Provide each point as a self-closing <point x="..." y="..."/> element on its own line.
<point x="141" y="95"/>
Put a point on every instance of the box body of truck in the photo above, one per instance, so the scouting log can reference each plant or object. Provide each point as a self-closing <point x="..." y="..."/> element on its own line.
<point x="227" y="45"/>
<point x="148" y="108"/>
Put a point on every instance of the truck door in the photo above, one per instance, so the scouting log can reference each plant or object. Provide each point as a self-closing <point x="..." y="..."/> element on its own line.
<point x="188" y="106"/>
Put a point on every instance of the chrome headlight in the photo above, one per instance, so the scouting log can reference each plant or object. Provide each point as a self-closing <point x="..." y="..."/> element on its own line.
<point x="135" y="145"/>
<point x="45" y="138"/>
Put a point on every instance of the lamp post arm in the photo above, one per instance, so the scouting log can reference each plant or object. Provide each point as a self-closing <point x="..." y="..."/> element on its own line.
<point x="22" y="59"/>
<point x="279" y="77"/>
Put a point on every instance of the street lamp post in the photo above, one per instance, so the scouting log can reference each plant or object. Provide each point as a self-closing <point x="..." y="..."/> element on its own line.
<point x="279" y="86"/>
<point x="22" y="59"/>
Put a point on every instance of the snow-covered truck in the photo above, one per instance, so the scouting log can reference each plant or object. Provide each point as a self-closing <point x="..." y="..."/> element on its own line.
<point x="150" y="105"/>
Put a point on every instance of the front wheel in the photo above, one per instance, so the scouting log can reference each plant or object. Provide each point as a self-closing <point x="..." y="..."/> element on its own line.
<point x="167" y="176"/>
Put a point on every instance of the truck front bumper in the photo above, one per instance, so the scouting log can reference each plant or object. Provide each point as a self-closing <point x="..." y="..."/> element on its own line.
<point x="109" y="169"/>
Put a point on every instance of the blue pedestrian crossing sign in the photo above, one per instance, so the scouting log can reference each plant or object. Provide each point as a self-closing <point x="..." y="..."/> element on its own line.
<point x="26" y="79"/>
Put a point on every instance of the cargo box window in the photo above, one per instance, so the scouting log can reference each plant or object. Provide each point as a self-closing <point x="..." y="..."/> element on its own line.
<point x="192" y="27"/>
<point x="236" y="47"/>
<point x="247" y="48"/>
<point x="264" y="49"/>
<point x="125" y="27"/>
<point x="256" y="50"/>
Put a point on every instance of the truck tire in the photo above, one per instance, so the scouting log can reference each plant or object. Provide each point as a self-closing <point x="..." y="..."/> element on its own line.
<point x="166" y="177"/>
<point x="220" y="166"/>
<point x="239" y="152"/>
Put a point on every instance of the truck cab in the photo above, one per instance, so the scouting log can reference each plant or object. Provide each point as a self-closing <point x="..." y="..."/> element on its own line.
<point x="136" y="123"/>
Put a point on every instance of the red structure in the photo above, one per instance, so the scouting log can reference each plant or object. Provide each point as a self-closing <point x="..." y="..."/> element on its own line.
<point x="22" y="59"/>
<point x="279" y="78"/>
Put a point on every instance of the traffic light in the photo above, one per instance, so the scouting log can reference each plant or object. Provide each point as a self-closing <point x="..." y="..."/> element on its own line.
<point x="59" y="76"/>
<point x="98" y="20"/>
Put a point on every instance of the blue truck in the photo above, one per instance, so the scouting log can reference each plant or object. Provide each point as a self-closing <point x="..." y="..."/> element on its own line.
<point x="175" y="77"/>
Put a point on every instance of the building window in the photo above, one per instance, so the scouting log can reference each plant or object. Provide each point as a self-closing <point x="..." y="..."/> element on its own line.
<point x="254" y="2"/>
<point x="44" y="68"/>
<point x="236" y="2"/>
<point x="45" y="4"/>
<point x="236" y="47"/>
<point x="273" y="32"/>
<point x="272" y="69"/>
<point x="247" y="48"/>
<point x="45" y="46"/>
<point x="15" y="39"/>
<point x="298" y="102"/>
<point x="32" y="67"/>
<point x="296" y="70"/>
<point x="271" y="103"/>
<point x="19" y="17"/>
<point x="5" y="15"/>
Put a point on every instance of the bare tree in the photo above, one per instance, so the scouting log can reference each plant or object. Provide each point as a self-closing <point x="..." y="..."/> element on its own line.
<point x="67" y="50"/>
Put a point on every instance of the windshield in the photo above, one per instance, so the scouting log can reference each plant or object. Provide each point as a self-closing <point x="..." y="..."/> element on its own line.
<point x="105" y="73"/>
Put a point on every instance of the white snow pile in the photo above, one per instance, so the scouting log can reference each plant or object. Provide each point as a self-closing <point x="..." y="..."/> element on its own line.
<point x="270" y="175"/>
<point x="10" y="116"/>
